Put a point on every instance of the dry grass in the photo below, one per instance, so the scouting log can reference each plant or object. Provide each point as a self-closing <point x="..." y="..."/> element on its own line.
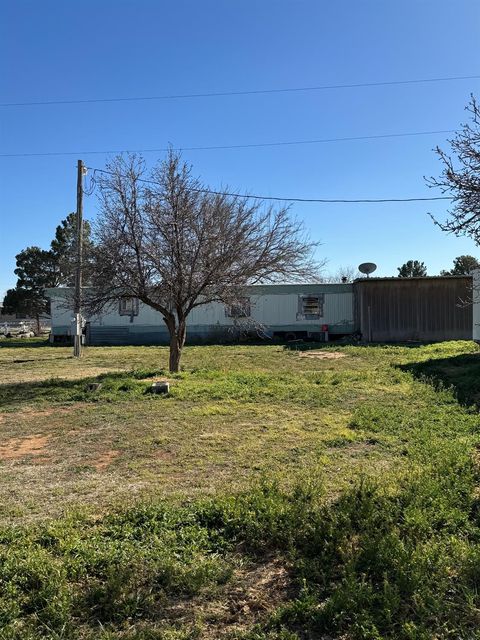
<point x="236" y="413"/>
<point x="283" y="560"/>
<point x="323" y="355"/>
<point x="254" y="591"/>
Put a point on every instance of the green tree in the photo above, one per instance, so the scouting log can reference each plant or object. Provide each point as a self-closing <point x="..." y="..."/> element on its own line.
<point x="39" y="269"/>
<point x="16" y="301"/>
<point x="64" y="250"/>
<point x="462" y="266"/>
<point x="412" y="269"/>
<point x="36" y="270"/>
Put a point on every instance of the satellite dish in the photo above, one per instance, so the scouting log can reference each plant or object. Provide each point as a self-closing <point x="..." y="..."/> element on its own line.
<point x="367" y="268"/>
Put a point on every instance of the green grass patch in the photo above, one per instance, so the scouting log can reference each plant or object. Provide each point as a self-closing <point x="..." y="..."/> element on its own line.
<point x="268" y="496"/>
<point x="460" y="373"/>
<point x="371" y="564"/>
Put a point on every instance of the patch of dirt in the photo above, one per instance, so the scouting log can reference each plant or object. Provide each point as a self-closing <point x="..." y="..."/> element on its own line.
<point x="323" y="355"/>
<point x="259" y="589"/>
<point x="28" y="412"/>
<point x="16" y="448"/>
<point x="355" y="447"/>
<point x="252" y="593"/>
<point x="105" y="460"/>
<point x="32" y="413"/>
<point x="161" y="454"/>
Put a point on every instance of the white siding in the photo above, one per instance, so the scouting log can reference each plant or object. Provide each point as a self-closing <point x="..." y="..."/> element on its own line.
<point x="61" y="316"/>
<point x="272" y="309"/>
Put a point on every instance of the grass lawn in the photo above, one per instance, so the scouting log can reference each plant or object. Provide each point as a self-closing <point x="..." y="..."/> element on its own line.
<point x="273" y="494"/>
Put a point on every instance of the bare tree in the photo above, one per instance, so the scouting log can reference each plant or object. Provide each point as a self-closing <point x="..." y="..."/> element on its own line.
<point x="460" y="178"/>
<point x="165" y="239"/>
<point x="343" y="274"/>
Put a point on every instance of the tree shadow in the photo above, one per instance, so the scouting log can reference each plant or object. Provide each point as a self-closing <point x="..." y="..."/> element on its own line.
<point x="106" y="386"/>
<point x="27" y="392"/>
<point x="460" y="373"/>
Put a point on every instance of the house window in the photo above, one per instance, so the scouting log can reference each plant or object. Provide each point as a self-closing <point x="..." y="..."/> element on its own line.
<point x="128" y="307"/>
<point x="239" y="309"/>
<point x="310" y="307"/>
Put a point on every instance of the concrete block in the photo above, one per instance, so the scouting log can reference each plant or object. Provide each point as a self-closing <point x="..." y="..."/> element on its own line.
<point x="160" y="387"/>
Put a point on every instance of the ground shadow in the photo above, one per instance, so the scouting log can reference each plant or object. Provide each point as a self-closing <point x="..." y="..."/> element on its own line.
<point x="106" y="386"/>
<point x="460" y="373"/>
<point x="23" y="343"/>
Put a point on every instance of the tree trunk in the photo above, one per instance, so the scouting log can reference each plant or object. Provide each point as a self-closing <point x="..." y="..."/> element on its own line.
<point x="177" y="340"/>
<point x="37" y="318"/>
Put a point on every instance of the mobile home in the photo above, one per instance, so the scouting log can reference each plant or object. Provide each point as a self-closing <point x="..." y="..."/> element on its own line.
<point x="377" y="309"/>
<point x="286" y="311"/>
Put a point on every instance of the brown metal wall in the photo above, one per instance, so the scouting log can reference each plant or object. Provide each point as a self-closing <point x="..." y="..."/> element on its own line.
<point x="424" y="309"/>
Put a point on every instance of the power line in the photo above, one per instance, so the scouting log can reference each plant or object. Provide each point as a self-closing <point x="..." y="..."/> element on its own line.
<point x="217" y="94"/>
<point x="230" y="146"/>
<point x="280" y="199"/>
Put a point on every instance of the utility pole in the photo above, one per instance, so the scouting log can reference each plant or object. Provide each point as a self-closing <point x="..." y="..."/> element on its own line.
<point x="77" y="339"/>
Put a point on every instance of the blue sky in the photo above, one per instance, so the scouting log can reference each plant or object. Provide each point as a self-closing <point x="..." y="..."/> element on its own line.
<point x="118" y="48"/>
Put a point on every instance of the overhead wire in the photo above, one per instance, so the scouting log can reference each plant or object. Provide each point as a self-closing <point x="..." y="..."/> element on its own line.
<point x="288" y="199"/>
<point x="231" y="146"/>
<point x="216" y="94"/>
